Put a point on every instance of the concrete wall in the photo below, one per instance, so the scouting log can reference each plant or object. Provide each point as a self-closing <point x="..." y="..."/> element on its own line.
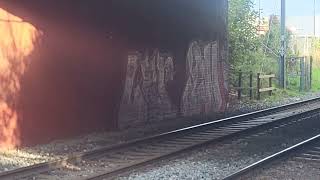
<point x="100" y="66"/>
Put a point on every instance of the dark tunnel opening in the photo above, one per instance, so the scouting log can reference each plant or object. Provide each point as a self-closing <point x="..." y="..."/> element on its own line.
<point x="78" y="77"/>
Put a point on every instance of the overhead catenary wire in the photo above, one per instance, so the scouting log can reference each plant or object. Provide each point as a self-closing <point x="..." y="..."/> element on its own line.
<point x="265" y="41"/>
<point x="267" y="37"/>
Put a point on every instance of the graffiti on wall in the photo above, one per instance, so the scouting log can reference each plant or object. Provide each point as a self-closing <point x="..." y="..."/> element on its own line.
<point x="203" y="92"/>
<point x="146" y="97"/>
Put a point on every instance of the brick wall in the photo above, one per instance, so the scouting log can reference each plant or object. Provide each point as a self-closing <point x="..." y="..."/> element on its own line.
<point x="146" y="94"/>
<point x="145" y="97"/>
<point x="79" y="77"/>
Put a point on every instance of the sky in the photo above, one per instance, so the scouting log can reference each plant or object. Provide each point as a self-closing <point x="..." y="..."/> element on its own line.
<point x="299" y="13"/>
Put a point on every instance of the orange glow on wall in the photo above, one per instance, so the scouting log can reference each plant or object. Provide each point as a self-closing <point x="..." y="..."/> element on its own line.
<point x="17" y="40"/>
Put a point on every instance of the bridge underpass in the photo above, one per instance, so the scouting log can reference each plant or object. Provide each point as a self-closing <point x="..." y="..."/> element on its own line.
<point x="98" y="65"/>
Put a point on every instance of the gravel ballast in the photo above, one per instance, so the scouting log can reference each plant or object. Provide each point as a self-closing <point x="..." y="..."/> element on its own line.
<point x="216" y="161"/>
<point x="11" y="159"/>
<point x="289" y="169"/>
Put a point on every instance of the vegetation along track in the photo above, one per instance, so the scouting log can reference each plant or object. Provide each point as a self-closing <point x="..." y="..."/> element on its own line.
<point x="126" y="156"/>
<point x="308" y="150"/>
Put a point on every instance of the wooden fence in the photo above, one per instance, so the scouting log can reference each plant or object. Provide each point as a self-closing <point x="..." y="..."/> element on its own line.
<point x="259" y="88"/>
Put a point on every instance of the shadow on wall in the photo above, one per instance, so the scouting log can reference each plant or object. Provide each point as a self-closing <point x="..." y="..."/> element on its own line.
<point x="73" y="78"/>
<point x="55" y="83"/>
<point x="73" y="85"/>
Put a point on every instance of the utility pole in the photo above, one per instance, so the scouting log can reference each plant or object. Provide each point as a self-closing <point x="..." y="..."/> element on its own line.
<point x="259" y="15"/>
<point x="283" y="45"/>
<point x="314" y="18"/>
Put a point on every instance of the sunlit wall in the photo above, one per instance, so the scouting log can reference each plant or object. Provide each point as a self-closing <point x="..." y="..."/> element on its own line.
<point x="17" y="39"/>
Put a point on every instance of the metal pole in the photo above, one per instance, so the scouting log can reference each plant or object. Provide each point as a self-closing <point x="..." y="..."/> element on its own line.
<point x="314" y="18"/>
<point x="283" y="44"/>
<point x="259" y="15"/>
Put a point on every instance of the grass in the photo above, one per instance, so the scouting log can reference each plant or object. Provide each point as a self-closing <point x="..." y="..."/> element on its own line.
<point x="315" y="80"/>
<point x="293" y="88"/>
<point x="277" y="95"/>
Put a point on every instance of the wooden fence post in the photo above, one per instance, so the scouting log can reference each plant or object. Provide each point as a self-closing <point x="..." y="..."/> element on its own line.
<point x="258" y="86"/>
<point x="307" y="73"/>
<point x="240" y="85"/>
<point x="311" y="66"/>
<point x="302" y="74"/>
<point x="270" y="85"/>
<point x="251" y="85"/>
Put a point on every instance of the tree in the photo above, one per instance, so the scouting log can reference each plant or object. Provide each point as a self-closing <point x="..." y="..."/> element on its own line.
<point x="248" y="50"/>
<point x="243" y="38"/>
<point x="272" y="40"/>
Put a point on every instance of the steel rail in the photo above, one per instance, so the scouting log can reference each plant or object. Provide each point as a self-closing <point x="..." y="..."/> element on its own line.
<point x="122" y="170"/>
<point x="272" y="157"/>
<point x="47" y="166"/>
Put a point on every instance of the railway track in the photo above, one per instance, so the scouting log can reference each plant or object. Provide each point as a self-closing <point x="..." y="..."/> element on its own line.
<point x="127" y="156"/>
<point x="308" y="150"/>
